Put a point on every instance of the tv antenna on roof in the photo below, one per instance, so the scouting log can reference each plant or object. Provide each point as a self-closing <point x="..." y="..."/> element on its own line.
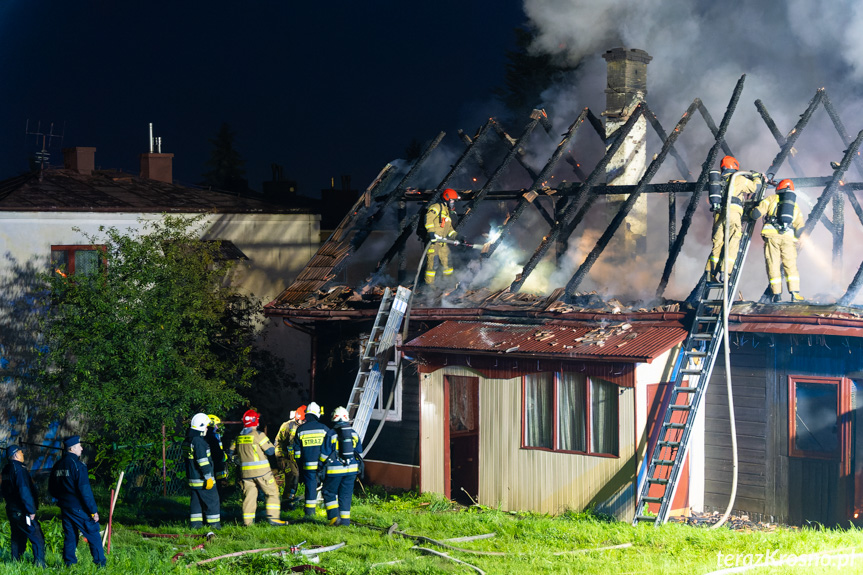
<point x="43" y="156"/>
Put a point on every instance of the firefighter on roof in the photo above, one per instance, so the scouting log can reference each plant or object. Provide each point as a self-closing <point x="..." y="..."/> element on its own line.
<point x="438" y="224"/>
<point x="341" y="454"/>
<point x="253" y="447"/>
<point x="741" y="185"/>
<point x="200" y="475"/>
<point x="783" y="224"/>
<point x="307" y="450"/>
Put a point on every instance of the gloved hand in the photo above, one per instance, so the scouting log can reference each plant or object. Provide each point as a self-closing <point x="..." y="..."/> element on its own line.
<point x="208" y="483"/>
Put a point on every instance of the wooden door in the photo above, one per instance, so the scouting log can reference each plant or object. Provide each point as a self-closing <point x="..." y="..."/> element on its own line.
<point x="462" y="441"/>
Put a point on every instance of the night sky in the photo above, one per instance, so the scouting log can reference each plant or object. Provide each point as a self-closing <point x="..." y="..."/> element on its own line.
<point x="323" y="89"/>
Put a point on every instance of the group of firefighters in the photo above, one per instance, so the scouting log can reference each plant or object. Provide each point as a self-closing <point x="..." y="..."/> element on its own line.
<point x="305" y="449"/>
<point x="729" y="192"/>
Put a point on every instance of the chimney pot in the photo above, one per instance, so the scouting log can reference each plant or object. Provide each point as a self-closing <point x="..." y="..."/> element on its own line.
<point x="80" y="159"/>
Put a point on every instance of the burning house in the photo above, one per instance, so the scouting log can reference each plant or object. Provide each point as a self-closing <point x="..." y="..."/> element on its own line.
<point x="553" y="370"/>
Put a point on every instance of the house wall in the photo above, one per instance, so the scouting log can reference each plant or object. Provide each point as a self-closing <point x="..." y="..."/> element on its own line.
<point x="278" y="245"/>
<point x="512" y="478"/>
<point x="773" y="486"/>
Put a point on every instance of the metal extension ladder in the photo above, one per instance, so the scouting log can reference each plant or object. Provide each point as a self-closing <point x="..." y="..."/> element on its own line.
<point x="376" y="356"/>
<point x="691" y="376"/>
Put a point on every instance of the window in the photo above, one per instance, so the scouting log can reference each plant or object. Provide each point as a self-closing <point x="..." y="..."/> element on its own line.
<point x="814" y="407"/>
<point x="82" y="260"/>
<point x="394" y="413"/>
<point x="570" y="412"/>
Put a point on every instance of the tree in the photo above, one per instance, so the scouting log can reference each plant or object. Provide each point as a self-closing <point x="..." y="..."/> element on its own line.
<point x="155" y="335"/>
<point x="227" y="166"/>
<point x="528" y="75"/>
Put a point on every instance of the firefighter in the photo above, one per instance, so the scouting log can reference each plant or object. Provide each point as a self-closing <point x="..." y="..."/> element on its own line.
<point x="252" y="448"/>
<point x="341" y="455"/>
<point x="741" y="186"/>
<point x="307" y="447"/>
<point x="200" y="471"/>
<point x="438" y="224"/>
<point x="217" y="452"/>
<point x="285" y="456"/>
<point x="70" y="486"/>
<point x="22" y="501"/>
<point x="783" y="224"/>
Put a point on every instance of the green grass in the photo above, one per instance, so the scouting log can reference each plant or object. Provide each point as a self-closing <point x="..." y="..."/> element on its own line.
<point x="530" y="540"/>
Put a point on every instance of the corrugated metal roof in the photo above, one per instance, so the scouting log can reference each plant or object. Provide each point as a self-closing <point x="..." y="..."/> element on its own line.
<point x="600" y="340"/>
<point x="61" y="190"/>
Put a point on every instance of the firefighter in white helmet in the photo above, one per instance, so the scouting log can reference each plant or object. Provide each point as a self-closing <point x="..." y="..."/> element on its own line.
<point x="253" y="447"/>
<point x="307" y="452"/>
<point x="438" y="224"/>
<point x="783" y="224"/>
<point x="204" y="502"/>
<point x="341" y="453"/>
<point x="740" y="185"/>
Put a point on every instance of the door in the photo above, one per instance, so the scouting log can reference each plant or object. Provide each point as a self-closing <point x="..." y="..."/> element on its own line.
<point x="462" y="441"/>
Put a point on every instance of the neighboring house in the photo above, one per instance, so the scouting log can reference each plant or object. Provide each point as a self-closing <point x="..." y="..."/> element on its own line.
<point x="39" y="211"/>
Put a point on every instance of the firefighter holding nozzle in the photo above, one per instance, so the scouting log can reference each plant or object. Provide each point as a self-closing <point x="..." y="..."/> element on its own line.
<point x="439" y="228"/>
<point x="740" y="186"/>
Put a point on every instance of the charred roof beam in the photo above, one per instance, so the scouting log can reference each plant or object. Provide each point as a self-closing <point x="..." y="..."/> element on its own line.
<point x="626" y="207"/>
<point x="846" y="139"/>
<point x="557" y="231"/>
<point x="709" y="162"/>
<point x="540" y="182"/>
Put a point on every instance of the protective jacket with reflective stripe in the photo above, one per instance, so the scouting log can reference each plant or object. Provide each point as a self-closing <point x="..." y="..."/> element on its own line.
<point x="309" y="440"/>
<point x="331" y="452"/>
<point x="438" y="221"/>
<point x="199" y="461"/>
<point x="285" y="438"/>
<point x="253" y="447"/>
<point x="217" y="453"/>
<point x="768" y="208"/>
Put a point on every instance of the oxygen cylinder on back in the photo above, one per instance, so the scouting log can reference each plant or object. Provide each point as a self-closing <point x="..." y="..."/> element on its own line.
<point x="346" y="443"/>
<point x="714" y="190"/>
<point x="785" y="209"/>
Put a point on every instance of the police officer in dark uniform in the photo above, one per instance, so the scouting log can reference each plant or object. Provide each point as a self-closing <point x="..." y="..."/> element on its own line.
<point x="70" y="486"/>
<point x="21" y="503"/>
<point x="307" y="447"/>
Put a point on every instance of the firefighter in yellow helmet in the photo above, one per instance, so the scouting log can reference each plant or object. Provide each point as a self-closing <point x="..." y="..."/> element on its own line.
<point x="253" y="447"/>
<point x="439" y="225"/>
<point x="217" y="452"/>
<point x="741" y="185"/>
<point x="783" y="224"/>
<point x="285" y="456"/>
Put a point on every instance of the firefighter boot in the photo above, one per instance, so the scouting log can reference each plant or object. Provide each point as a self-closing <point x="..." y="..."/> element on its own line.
<point x="796" y="297"/>
<point x="777" y="298"/>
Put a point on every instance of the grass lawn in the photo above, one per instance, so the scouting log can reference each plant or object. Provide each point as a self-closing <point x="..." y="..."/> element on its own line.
<point x="530" y="542"/>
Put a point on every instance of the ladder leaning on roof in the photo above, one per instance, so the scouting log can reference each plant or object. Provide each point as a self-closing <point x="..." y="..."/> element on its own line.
<point x="376" y="356"/>
<point x="691" y="376"/>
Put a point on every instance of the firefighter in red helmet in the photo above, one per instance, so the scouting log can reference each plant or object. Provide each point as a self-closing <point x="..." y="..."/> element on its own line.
<point x="438" y="224"/>
<point x="783" y="224"/>
<point x="285" y="456"/>
<point x="740" y="186"/>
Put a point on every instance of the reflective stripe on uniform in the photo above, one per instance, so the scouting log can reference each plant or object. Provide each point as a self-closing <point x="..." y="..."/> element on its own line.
<point x="196" y="516"/>
<point x="254" y="465"/>
<point x="245" y="439"/>
<point x="775" y="281"/>
<point x="340" y="470"/>
<point x="310" y="465"/>
<point x="312" y="438"/>
<point x="331" y="504"/>
<point x="214" y="518"/>
<point x="448" y="272"/>
<point x="196" y="483"/>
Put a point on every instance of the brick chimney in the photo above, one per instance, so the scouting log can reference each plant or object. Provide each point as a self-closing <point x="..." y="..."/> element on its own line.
<point x="159" y="167"/>
<point x="627" y="86"/>
<point x="80" y="159"/>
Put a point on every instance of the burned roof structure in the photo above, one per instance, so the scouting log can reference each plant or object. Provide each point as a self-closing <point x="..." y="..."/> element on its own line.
<point x="373" y="237"/>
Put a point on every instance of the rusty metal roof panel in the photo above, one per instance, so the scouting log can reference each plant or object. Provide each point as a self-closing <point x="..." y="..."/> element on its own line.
<point x="613" y="341"/>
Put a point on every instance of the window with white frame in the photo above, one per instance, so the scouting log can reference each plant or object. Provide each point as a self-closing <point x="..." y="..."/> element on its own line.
<point x="394" y="413"/>
<point x="570" y="412"/>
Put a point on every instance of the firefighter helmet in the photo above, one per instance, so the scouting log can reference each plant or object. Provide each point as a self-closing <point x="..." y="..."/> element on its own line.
<point x="314" y="409"/>
<point x="214" y="420"/>
<point x="251" y="418"/>
<point x="340" y="414"/>
<point x="785" y="185"/>
<point x="300" y="413"/>
<point x="200" y="422"/>
<point x="729" y="163"/>
<point x="450" y="195"/>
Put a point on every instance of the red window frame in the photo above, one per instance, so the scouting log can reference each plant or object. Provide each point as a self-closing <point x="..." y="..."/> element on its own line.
<point x="556" y="420"/>
<point x="843" y="409"/>
<point x="70" y="255"/>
